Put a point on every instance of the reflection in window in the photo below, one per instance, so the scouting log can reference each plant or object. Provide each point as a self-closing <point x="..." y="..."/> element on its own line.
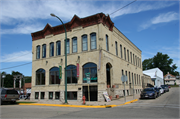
<point x="38" y="52"/>
<point x="71" y="74"/>
<point x="51" y="95"/>
<point x="36" y="95"/>
<point x="93" y="41"/>
<point x="67" y="46"/>
<point x="51" y="49"/>
<point x="72" y="95"/>
<point x="54" y="76"/>
<point x="84" y="43"/>
<point x="92" y="69"/>
<point x="42" y="95"/>
<point x="57" y="95"/>
<point x="58" y="48"/>
<point x="44" y="51"/>
<point x="74" y="44"/>
<point x="40" y="77"/>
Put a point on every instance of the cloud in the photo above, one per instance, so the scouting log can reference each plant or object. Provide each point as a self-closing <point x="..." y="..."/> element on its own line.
<point x="162" y="18"/>
<point x="28" y="12"/>
<point x="22" y="56"/>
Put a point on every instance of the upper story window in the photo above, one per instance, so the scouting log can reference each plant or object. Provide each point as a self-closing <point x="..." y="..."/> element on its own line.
<point x="169" y="77"/>
<point x="93" y="40"/>
<point x="71" y="74"/>
<point x="128" y="55"/>
<point x="51" y="49"/>
<point x="38" y="52"/>
<point x="40" y="77"/>
<point x="58" y="48"/>
<point x="124" y="53"/>
<point x="133" y="60"/>
<point x="107" y="43"/>
<point x="116" y="48"/>
<point x="54" y="76"/>
<point x="131" y="56"/>
<point x="84" y="43"/>
<point x="121" y="51"/>
<point x="44" y="51"/>
<point x="67" y="46"/>
<point x="74" y="44"/>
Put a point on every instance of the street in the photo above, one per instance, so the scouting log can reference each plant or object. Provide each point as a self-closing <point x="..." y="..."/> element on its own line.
<point x="165" y="106"/>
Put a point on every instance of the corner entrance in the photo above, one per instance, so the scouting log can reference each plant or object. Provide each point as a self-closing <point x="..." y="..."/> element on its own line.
<point x="108" y="74"/>
<point x="93" y="93"/>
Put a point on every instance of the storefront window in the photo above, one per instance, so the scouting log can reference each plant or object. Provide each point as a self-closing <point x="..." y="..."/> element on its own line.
<point x="90" y="68"/>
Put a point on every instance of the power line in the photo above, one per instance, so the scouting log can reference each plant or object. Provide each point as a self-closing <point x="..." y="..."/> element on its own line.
<point x="16" y="66"/>
<point x="123" y="7"/>
<point x="17" y="57"/>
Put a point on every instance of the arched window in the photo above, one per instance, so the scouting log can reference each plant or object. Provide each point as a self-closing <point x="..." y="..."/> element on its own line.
<point x="93" y="41"/>
<point x="74" y="44"/>
<point x="43" y="50"/>
<point x="84" y="43"/>
<point x="38" y="52"/>
<point x="58" y="48"/>
<point x="40" y="77"/>
<point x="51" y="52"/>
<point x="116" y="48"/>
<point x="71" y="74"/>
<point x="90" y="68"/>
<point x="54" y="76"/>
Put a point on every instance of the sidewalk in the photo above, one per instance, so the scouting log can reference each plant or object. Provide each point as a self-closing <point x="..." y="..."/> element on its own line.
<point x="74" y="103"/>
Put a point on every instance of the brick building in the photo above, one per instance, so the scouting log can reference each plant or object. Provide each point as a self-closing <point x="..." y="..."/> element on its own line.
<point x="94" y="46"/>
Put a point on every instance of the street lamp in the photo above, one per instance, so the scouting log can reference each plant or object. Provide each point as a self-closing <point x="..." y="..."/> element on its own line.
<point x="3" y="76"/>
<point x="65" y="56"/>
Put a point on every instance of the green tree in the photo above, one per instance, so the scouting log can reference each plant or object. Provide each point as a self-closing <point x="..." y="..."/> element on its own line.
<point x="162" y="61"/>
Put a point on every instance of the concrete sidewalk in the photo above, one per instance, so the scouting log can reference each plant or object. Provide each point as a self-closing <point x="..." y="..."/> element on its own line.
<point x="74" y="103"/>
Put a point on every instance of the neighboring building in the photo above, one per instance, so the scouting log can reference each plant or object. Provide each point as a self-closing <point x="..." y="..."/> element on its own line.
<point x="178" y="80"/>
<point x="156" y="76"/>
<point x="27" y="88"/>
<point x="94" y="46"/>
<point x="146" y="81"/>
<point x="169" y="79"/>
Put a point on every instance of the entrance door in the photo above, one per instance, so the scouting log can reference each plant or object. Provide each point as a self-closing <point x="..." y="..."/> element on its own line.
<point x="93" y="93"/>
<point x="108" y="73"/>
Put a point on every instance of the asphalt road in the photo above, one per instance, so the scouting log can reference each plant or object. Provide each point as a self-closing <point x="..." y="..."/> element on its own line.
<point x="166" y="106"/>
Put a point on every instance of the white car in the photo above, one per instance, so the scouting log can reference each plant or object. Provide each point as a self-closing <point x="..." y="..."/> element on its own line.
<point x="161" y="90"/>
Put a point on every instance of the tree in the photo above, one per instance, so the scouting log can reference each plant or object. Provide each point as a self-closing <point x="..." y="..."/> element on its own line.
<point x="162" y="61"/>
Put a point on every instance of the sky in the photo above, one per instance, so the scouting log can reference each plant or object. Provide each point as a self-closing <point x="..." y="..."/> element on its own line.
<point x="153" y="26"/>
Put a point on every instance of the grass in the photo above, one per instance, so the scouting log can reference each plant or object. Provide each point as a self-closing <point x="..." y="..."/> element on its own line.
<point x="174" y="85"/>
<point x="26" y="102"/>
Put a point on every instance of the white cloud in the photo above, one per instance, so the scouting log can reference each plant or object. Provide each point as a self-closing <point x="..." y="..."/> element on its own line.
<point x="28" y="12"/>
<point x="162" y="18"/>
<point x="22" y="56"/>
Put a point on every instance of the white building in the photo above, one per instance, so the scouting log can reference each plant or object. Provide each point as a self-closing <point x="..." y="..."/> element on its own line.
<point x="156" y="75"/>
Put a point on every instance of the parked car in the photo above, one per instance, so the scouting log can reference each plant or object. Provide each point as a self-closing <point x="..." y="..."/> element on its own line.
<point x="148" y="93"/>
<point x="158" y="91"/>
<point x="9" y="95"/>
<point x="161" y="90"/>
<point x="165" y="87"/>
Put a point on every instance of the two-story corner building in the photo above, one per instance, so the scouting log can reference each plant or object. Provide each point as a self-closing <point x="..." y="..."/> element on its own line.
<point x="169" y="79"/>
<point x="94" y="46"/>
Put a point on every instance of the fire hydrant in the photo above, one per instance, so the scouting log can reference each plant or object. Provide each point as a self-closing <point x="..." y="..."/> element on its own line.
<point x="84" y="98"/>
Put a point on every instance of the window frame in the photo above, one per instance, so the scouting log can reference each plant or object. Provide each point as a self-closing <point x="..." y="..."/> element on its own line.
<point x="51" y="49"/>
<point x="38" y="52"/>
<point x="44" y="51"/>
<point x="74" y="45"/>
<point x="116" y="46"/>
<point x="94" y="66"/>
<point x="107" y="42"/>
<point x="86" y="43"/>
<point x="58" y="48"/>
<point x="74" y="68"/>
<point x="55" y="72"/>
<point x="41" y="73"/>
<point x="91" y="41"/>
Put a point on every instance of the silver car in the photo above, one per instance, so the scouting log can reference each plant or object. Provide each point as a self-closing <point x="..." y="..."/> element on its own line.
<point x="9" y="95"/>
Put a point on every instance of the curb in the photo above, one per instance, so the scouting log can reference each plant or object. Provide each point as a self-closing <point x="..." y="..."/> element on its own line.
<point x="79" y="106"/>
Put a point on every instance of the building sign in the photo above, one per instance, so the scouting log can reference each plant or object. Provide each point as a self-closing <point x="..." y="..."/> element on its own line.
<point x="60" y="72"/>
<point x="106" y="96"/>
<point x="77" y="69"/>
